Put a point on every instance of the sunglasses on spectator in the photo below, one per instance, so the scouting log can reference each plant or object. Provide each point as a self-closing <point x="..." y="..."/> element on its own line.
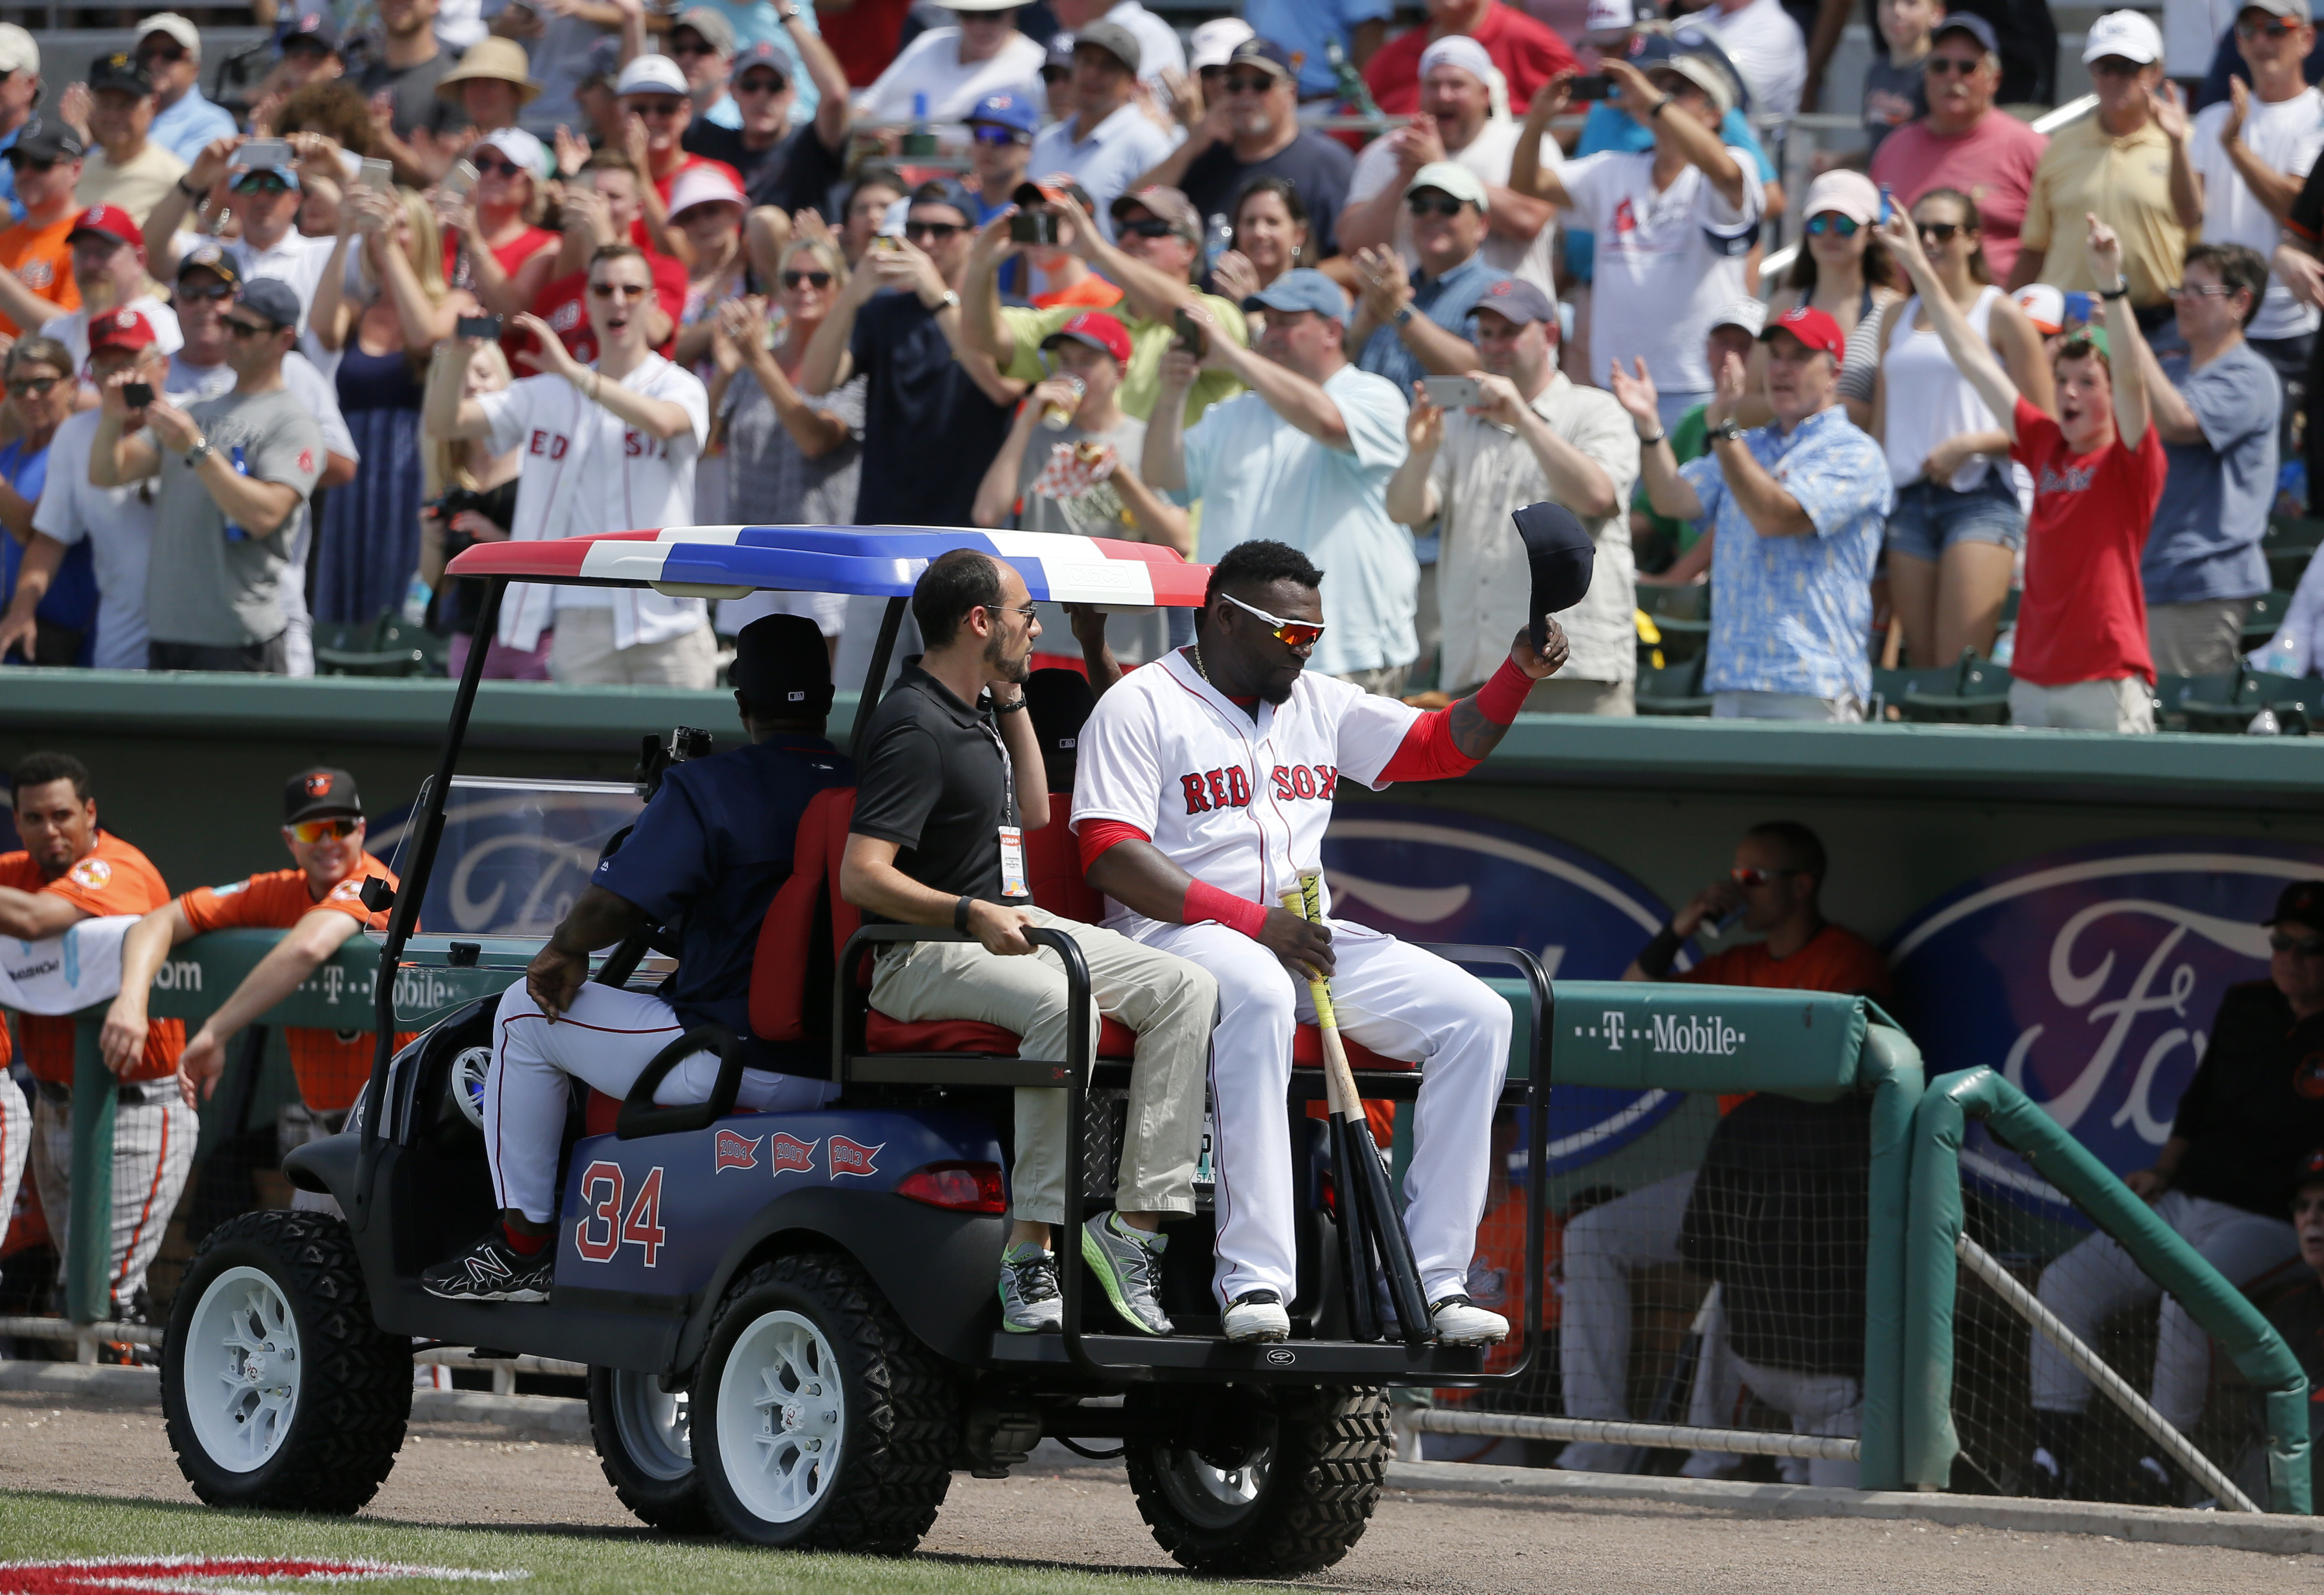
<point x="2254" y="29"/>
<point x="759" y="83"/>
<point x="203" y="292"/>
<point x="697" y="48"/>
<point x="2190" y="290"/>
<point x="1748" y="878"/>
<point x="1941" y="65"/>
<point x="657" y="110"/>
<point x="989" y="133"/>
<point x="936" y="230"/>
<point x="1056" y="74"/>
<point x="168" y="55"/>
<point x="1242" y="83"/>
<point x="1427" y="203"/>
<point x="2307" y="946"/>
<point x="1290" y="633"/>
<point x="1943" y="231"/>
<point x="2114" y="66"/>
<point x="1831" y="221"/>
<point x="263" y="183"/>
<point x="313" y="831"/>
<point x="487" y="167"/>
<point x="814" y="278"/>
<point x="30" y="165"/>
<point x="1150" y="228"/>
<point x="628" y="290"/>
<point x="33" y="387"/>
<point x="250" y="328"/>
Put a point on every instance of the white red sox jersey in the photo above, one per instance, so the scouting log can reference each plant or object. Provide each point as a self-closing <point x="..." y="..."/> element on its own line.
<point x="587" y="470"/>
<point x="1239" y="804"/>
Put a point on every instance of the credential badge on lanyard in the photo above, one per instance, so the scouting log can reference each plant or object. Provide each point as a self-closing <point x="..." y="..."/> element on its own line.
<point x="1012" y="838"/>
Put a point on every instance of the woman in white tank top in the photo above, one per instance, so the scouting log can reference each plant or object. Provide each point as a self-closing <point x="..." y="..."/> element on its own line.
<point x="1958" y="525"/>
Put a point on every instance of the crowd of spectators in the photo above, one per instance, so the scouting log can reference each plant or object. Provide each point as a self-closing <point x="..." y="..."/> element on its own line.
<point x="1363" y="279"/>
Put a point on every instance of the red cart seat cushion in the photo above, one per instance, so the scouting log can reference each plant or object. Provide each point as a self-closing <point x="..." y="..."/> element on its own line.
<point x="883" y="1034"/>
<point x="1307" y="1052"/>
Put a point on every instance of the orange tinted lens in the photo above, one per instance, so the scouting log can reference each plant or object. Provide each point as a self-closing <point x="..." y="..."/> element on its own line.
<point x="314" y="831"/>
<point x="1298" y="633"/>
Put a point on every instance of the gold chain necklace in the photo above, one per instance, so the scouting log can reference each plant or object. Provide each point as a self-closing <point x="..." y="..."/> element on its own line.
<point x="1194" y="658"/>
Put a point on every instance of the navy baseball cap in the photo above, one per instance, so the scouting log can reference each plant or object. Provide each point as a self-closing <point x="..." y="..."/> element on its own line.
<point x="1263" y="52"/>
<point x="120" y="70"/>
<point x="2308" y="1171"/>
<point x="1559" y="557"/>
<point x="1059" y="703"/>
<point x="317" y="30"/>
<point x="1519" y="300"/>
<point x="275" y="300"/>
<point x="2301" y="903"/>
<point x="1970" y="22"/>
<point x="1007" y="110"/>
<point x="764" y="55"/>
<point x="945" y="190"/>
<point x="1303" y="289"/>
<point x="782" y="667"/>
<point x="321" y="793"/>
<point x="46" y="142"/>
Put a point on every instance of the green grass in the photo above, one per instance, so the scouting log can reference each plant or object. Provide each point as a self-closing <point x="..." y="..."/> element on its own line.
<point x="45" y="1527"/>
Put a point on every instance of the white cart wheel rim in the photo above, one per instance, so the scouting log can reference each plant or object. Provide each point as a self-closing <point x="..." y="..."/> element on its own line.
<point x="1212" y="1498"/>
<point x="653" y="1425"/>
<point x="782" y="1417"/>
<point x="242" y="1369"/>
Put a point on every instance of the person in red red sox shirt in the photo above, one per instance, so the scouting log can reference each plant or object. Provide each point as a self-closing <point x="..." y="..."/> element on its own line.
<point x="1528" y="53"/>
<point x="2082" y="662"/>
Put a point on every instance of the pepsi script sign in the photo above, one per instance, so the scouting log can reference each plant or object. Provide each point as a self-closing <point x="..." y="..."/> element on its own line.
<point x="1434" y="875"/>
<point x="2089" y="978"/>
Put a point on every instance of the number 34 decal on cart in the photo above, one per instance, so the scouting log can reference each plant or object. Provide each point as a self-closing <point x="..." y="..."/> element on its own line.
<point x="605" y="1226"/>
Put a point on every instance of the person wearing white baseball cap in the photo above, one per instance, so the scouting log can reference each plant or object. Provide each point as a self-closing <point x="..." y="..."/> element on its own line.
<point x="170" y="48"/>
<point x="2252" y="154"/>
<point x="655" y="95"/>
<point x="19" y="91"/>
<point x="1843" y="270"/>
<point x="2130" y="161"/>
<point x="505" y="257"/>
<point x="945" y="72"/>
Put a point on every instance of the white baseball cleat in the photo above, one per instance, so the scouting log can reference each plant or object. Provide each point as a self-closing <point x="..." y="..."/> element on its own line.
<point x="1460" y="1321"/>
<point x="1257" y="1315"/>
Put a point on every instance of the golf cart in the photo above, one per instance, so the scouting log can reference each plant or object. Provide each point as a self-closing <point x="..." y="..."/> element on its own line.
<point x="790" y="1319"/>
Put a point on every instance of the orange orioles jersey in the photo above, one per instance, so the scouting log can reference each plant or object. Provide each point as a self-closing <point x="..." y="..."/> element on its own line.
<point x="331" y="1066"/>
<point x="116" y="878"/>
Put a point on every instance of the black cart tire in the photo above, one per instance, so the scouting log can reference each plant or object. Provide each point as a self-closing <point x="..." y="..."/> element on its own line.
<point x="277" y="1389"/>
<point x="1294" y="1505"/>
<point x="644" y="1443"/>
<point x="819" y="1422"/>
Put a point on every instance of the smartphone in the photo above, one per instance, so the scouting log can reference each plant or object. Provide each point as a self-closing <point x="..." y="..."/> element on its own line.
<point x="1451" y="393"/>
<point x="456" y="182"/>
<point x="1190" y="334"/>
<point x="137" y="395"/>
<point x="1033" y="226"/>
<point x="487" y="328"/>
<point x="1596" y="87"/>
<point x="1888" y="205"/>
<point x="376" y="174"/>
<point x="260" y="154"/>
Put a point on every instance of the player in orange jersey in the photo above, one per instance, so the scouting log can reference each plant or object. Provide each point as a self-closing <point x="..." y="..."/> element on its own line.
<point x="70" y="870"/>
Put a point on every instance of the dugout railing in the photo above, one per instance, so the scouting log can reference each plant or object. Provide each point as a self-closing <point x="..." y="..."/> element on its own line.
<point x="1935" y="1244"/>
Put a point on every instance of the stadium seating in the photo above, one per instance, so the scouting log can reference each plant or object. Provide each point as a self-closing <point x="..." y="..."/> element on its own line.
<point x="2226" y="703"/>
<point x="1971" y="691"/>
<point x="1672" y="689"/>
<point x="1682" y="615"/>
<point x="2267" y="614"/>
<point x="2289" y="546"/>
<point x="387" y="646"/>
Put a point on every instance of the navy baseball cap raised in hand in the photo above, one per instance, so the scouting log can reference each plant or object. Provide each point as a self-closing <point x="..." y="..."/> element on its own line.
<point x="1559" y="556"/>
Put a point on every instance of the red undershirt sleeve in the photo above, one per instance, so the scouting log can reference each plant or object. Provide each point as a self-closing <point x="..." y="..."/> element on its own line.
<point x="1428" y="753"/>
<point x="1097" y="835"/>
<point x="1203" y="902"/>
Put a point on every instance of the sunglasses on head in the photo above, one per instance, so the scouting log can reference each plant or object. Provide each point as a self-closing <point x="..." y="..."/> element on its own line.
<point x="1433" y="205"/>
<point x="2307" y="946"/>
<point x="628" y="290"/>
<point x="1290" y="633"/>
<point x="250" y="328"/>
<point x="487" y="167"/>
<point x="1150" y="227"/>
<point x="204" y="292"/>
<point x="938" y="230"/>
<point x="313" y="831"/>
<point x="1756" y="877"/>
<point x="1831" y="221"/>
<point x="815" y="278"/>
<point x="33" y="387"/>
<point x="988" y="132"/>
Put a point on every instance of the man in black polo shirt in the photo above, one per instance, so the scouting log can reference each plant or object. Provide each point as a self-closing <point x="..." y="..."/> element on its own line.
<point x="951" y="779"/>
<point x="2223" y="1182"/>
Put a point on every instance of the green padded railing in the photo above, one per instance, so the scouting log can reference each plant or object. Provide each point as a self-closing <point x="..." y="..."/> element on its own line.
<point x="1934" y="1227"/>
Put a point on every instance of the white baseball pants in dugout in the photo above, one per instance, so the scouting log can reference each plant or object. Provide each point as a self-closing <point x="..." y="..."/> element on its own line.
<point x="1401" y="1002"/>
<point x="606" y="1039"/>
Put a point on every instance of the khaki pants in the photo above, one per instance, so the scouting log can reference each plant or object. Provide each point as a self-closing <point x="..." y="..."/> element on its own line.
<point x="1784" y="706"/>
<point x="1562" y="695"/>
<point x="2125" y="704"/>
<point x="1168" y="1000"/>
<point x="2200" y="639"/>
<point x="1387" y="681"/>
<point x="581" y="649"/>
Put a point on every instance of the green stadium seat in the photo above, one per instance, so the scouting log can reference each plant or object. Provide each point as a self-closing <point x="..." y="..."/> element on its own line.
<point x="386" y="647"/>
<point x="1972" y="691"/>
<point x="1683" y="616"/>
<point x="2225" y="704"/>
<point x="2267" y="614"/>
<point x="1674" y="690"/>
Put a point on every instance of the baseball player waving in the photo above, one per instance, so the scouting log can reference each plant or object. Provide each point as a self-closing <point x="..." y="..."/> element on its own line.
<point x="1205" y="785"/>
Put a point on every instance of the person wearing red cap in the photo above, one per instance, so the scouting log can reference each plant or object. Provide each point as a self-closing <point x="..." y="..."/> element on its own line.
<point x="1797" y="510"/>
<point x="108" y="262"/>
<point x="1070" y="464"/>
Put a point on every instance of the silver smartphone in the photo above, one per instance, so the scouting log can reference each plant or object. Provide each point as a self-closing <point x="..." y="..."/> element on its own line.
<point x="458" y="180"/>
<point x="1451" y="393"/>
<point x="376" y="174"/>
<point x="261" y="154"/>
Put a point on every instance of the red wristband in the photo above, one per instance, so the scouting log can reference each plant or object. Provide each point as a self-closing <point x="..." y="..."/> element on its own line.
<point x="1205" y="901"/>
<point x="1499" y="699"/>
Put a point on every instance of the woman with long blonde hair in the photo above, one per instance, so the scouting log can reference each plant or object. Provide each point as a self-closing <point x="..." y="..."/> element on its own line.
<point x="370" y="545"/>
<point x="480" y="508"/>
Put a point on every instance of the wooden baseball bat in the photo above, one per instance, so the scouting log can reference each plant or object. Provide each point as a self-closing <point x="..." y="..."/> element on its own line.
<point x="1382" y="1220"/>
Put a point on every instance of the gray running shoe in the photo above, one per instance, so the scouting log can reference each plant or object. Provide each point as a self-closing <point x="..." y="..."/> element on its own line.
<point x="1128" y="1266"/>
<point x="1030" y="1302"/>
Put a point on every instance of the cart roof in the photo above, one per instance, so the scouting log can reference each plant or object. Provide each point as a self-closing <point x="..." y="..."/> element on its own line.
<point x="875" y="561"/>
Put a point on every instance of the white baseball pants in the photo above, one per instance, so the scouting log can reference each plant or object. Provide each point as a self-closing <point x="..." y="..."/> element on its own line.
<point x="15" y="1144"/>
<point x="1399" y="1001"/>
<point x="2097" y="1278"/>
<point x="606" y="1039"/>
<point x="152" y="1156"/>
<point x="1831" y="1405"/>
<point x="1637" y="1229"/>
